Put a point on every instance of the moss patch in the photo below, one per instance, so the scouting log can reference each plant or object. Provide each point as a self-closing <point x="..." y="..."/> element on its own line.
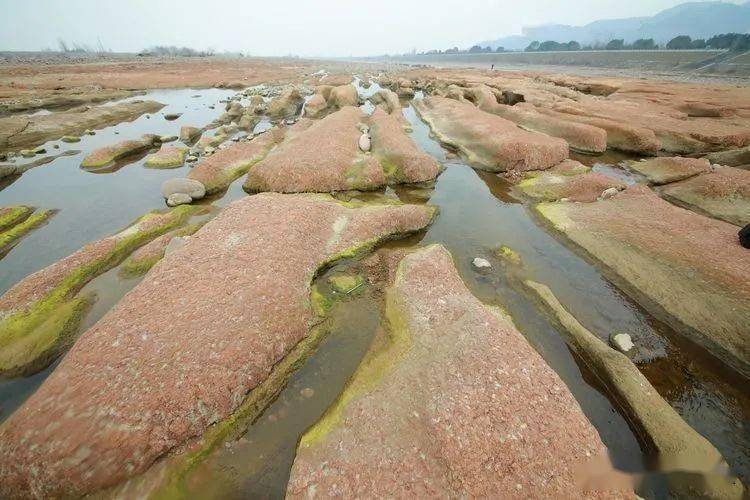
<point x="10" y="216"/>
<point x="345" y="283"/>
<point x="11" y="235"/>
<point x="27" y="336"/>
<point x="508" y="254"/>
<point x="138" y="267"/>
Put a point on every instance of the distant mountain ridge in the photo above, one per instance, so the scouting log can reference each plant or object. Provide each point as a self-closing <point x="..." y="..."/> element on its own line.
<point x="696" y="19"/>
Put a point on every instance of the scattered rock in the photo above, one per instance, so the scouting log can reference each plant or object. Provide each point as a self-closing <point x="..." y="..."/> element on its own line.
<point x="167" y="138"/>
<point x="70" y="138"/>
<point x="316" y="106"/>
<point x="586" y="187"/>
<point x="622" y="342"/>
<point x="731" y="158"/>
<point x="364" y="143"/>
<point x="610" y="192"/>
<point x="481" y="263"/>
<point x="345" y="283"/>
<point x="307" y="393"/>
<point x="285" y="105"/>
<point x="509" y="255"/>
<point x="172" y="116"/>
<point x="190" y="187"/>
<point x="342" y="96"/>
<point x="176" y="199"/>
<point x="189" y="135"/>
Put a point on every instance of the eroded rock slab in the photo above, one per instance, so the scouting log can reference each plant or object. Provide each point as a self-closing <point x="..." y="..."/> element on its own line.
<point x="23" y="131"/>
<point x="451" y="403"/>
<point x="723" y="193"/>
<point x="16" y="222"/>
<point x="731" y="158"/>
<point x="219" y="170"/>
<point x="41" y="312"/>
<point x="402" y="161"/>
<point x="663" y="170"/>
<point x="167" y="157"/>
<point x="490" y="142"/>
<point x="586" y="187"/>
<point x="109" y="154"/>
<point x="286" y="105"/>
<point x="181" y="350"/>
<point x="321" y="158"/>
<point x="683" y="266"/>
<point x="579" y="136"/>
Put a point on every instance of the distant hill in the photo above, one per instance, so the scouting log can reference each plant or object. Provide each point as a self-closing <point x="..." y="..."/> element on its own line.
<point x="697" y="19"/>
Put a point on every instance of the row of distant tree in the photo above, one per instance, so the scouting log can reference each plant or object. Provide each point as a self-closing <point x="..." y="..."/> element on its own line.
<point x="729" y="41"/>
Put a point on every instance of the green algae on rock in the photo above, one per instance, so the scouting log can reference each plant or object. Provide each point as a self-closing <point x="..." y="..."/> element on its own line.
<point x="152" y="252"/>
<point x="167" y="157"/>
<point x="10" y="216"/>
<point x="109" y="154"/>
<point x="39" y="315"/>
<point x="10" y="236"/>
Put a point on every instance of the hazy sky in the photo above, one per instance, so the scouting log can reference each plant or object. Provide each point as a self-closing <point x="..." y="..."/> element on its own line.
<point x="301" y="27"/>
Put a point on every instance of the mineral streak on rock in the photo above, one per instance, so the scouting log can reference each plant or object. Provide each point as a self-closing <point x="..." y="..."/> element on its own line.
<point x="40" y="313"/>
<point x="681" y="265"/>
<point x="488" y="141"/>
<point x="449" y="402"/>
<point x="671" y="442"/>
<point x="133" y="389"/>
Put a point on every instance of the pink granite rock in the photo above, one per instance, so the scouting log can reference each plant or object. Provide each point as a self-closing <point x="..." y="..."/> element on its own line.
<point x="490" y="142"/>
<point x="663" y="170"/>
<point x="322" y="158"/>
<point x="401" y="160"/>
<point x="182" y="349"/>
<point x="452" y="402"/>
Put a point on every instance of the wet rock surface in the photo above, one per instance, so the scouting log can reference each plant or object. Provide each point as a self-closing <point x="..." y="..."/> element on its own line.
<point x="417" y="413"/>
<point x="167" y="157"/>
<point x="685" y="264"/>
<point x="586" y="187"/>
<point x="131" y="389"/>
